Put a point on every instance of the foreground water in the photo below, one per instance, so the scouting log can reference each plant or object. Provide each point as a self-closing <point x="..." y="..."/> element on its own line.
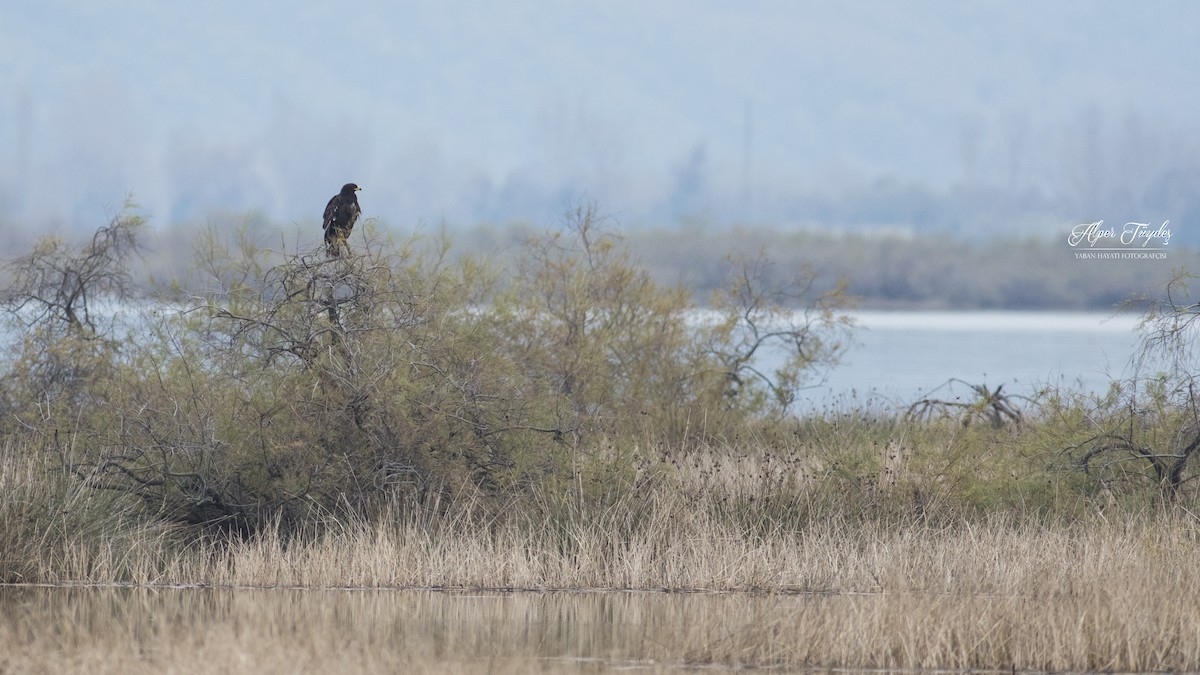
<point x="279" y="630"/>
<point x="1096" y="623"/>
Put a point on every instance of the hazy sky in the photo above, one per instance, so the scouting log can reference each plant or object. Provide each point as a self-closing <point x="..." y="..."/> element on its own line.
<point x="468" y="111"/>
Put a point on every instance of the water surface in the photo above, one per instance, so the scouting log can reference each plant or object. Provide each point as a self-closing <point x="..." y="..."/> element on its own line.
<point x="390" y="630"/>
<point x="900" y="357"/>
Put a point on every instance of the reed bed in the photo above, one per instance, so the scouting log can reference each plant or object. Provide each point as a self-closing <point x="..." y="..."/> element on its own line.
<point x="737" y="560"/>
<point x="693" y="552"/>
<point x="1098" y="594"/>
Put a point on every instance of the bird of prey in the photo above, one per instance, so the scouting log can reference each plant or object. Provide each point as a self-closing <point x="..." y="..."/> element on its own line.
<point x="340" y="215"/>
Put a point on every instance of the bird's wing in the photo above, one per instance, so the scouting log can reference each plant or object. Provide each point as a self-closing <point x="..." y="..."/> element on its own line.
<point x="331" y="210"/>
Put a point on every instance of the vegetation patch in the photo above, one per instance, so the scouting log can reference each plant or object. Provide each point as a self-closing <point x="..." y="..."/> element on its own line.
<point x="399" y="416"/>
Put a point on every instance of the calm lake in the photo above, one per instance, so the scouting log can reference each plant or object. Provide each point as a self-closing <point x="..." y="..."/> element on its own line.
<point x="900" y="357"/>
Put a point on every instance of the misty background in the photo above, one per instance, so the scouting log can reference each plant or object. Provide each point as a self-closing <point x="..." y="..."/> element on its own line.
<point x="979" y="119"/>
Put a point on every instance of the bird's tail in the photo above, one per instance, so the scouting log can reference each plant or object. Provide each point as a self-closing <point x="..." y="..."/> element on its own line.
<point x="334" y="244"/>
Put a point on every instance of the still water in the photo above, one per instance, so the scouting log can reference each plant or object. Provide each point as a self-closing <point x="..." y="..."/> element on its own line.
<point x="198" y="630"/>
<point x="900" y="357"/>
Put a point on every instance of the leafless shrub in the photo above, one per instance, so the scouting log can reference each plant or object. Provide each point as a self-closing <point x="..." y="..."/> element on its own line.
<point x="57" y="286"/>
<point x="1150" y="424"/>
<point x="63" y="301"/>
<point x="762" y="312"/>
<point x="989" y="405"/>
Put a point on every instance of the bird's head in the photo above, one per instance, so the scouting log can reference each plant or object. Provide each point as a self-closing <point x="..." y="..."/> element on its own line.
<point x="350" y="188"/>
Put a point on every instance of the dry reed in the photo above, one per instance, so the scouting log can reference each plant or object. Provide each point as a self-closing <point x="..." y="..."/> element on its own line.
<point x="1093" y="595"/>
<point x="726" y="571"/>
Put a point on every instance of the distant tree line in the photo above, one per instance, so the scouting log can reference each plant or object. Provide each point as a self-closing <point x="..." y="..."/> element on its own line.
<point x="883" y="269"/>
<point x="896" y="270"/>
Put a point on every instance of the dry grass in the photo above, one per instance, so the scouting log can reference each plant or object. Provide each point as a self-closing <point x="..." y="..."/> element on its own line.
<point x="693" y="551"/>
<point x="1096" y="595"/>
<point x="737" y="560"/>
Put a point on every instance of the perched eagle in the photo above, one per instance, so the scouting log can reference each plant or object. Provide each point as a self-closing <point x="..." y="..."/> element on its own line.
<point x="340" y="215"/>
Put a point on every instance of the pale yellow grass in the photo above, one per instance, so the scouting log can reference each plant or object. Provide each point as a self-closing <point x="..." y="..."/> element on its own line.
<point x="694" y="551"/>
<point x="1094" y="595"/>
<point x="696" y="572"/>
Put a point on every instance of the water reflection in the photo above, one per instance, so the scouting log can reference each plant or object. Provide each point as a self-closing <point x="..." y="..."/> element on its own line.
<point x="129" y="630"/>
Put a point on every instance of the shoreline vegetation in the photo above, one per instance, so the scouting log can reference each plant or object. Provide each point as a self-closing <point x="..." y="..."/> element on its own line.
<point x="1098" y="596"/>
<point x="294" y="421"/>
<point x="1101" y="592"/>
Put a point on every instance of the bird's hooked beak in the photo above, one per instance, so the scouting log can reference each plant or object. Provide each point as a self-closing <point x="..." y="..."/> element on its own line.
<point x="357" y="188"/>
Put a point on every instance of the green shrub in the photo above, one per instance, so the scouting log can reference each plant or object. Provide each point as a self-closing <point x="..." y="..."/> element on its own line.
<point x="293" y="385"/>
